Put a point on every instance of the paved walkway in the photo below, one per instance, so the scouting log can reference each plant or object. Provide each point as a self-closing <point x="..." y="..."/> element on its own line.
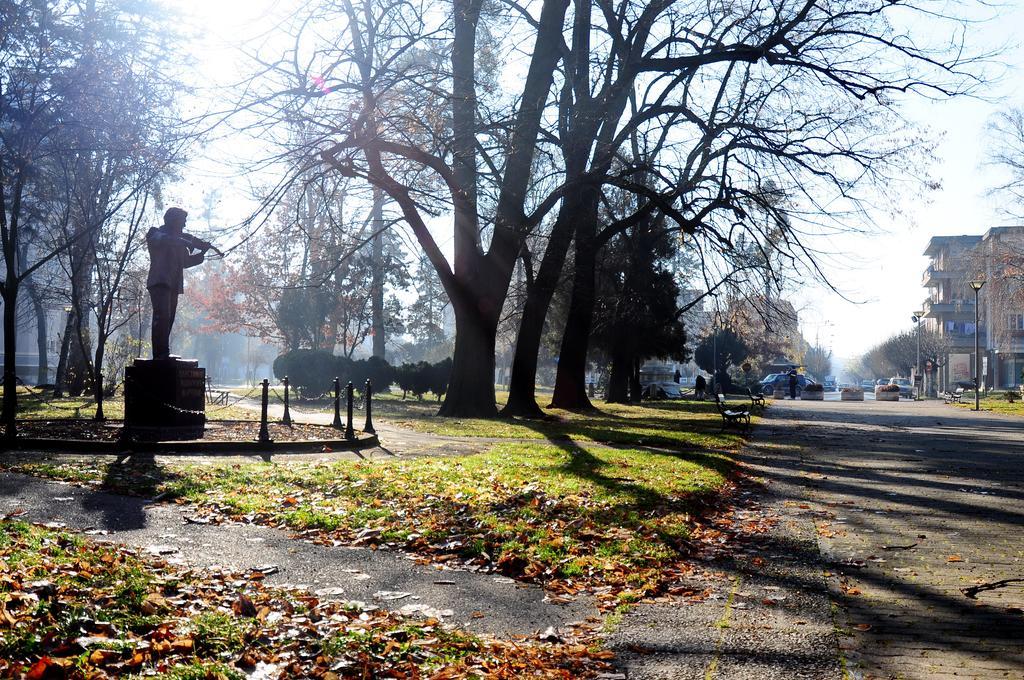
<point x="913" y="503"/>
<point x="486" y="603"/>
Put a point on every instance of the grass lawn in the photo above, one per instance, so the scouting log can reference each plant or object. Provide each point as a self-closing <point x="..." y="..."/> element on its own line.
<point x="555" y="505"/>
<point x="76" y="609"/>
<point x="996" y="403"/>
<point x="578" y="515"/>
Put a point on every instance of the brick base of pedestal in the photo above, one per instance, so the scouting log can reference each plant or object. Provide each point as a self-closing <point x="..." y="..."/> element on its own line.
<point x="164" y="400"/>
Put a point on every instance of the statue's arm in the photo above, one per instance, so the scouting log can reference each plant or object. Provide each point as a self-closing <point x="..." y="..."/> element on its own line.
<point x="193" y="260"/>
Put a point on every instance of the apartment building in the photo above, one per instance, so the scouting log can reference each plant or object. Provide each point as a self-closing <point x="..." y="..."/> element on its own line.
<point x="949" y="308"/>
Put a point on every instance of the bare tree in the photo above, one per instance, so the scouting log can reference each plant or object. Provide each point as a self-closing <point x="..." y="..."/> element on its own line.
<point x="1007" y="148"/>
<point x="69" y="74"/>
<point x="408" y="101"/>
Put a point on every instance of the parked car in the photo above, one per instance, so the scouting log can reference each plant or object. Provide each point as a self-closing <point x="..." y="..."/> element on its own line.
<point x="867" y="384"/>
<point x="906" y="387"/>
<point x="780" y="381"/>
<point x="662" y="390"/>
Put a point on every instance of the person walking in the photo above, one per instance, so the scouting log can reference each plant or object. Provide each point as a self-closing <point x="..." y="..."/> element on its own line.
<point x="792" y="383"/>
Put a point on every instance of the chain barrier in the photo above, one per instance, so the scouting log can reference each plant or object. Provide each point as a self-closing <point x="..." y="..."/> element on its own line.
<point x="242" y="398"/>
<point x="348" y="425"/>
<point x="39" y="395"/>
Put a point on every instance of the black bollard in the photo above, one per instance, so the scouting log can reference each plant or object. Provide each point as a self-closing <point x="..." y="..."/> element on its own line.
<point x="99" y="400"/>
<point x="367" y="395"/>
<point x="287" y="418"/>
<point x="350" y="432"/>
<point x="264" y="432"/>
<point x="337" y="404"/>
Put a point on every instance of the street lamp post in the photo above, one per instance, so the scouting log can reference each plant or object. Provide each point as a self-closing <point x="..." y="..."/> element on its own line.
<point x="916" y="318"/>
<point x="976" y="286"/>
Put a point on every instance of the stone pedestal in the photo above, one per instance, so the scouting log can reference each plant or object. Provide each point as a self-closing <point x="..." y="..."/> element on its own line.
<point x="164" y="399"/>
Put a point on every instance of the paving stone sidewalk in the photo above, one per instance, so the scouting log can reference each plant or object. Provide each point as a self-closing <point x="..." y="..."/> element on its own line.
<point x="768" y="615"/>
<point x="912" y="502"/>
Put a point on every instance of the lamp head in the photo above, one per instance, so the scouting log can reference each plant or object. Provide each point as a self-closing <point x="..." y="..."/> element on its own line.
<point x="976" y="285"/>
<point x="916" y="317"/>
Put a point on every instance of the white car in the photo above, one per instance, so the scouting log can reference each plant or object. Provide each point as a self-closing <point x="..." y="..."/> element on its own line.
<point x="906" y="387"/>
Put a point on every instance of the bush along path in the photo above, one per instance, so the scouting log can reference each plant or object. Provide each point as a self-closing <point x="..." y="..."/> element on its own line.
<point x="70" y="608"/>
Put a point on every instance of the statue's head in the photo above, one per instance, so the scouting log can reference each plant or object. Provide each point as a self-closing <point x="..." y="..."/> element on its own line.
<point x="174" y="220"/>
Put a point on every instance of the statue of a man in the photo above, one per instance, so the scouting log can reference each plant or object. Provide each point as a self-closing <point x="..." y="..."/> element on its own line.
<point x="171" y="251"/>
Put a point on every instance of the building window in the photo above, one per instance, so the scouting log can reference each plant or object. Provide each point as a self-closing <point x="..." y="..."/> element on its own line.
<point x="1015" y="322"/>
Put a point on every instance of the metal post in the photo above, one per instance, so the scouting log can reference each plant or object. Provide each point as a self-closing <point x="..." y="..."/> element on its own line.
<point x="368" y="396"/>
<point x="714" y="358"/>
<point x="977" y="351"/>
<point x="337" y="404"/>
<point x="287" y="418"/>
<point x="918" y="373"/>
<point x="976" y="286"/>
<point x="264" y="432"/>
<point x="350" y="432"/>
<point x="99" y="399"/>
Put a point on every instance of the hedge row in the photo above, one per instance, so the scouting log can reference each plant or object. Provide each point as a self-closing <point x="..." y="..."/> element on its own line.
<point x="311" y="373"/>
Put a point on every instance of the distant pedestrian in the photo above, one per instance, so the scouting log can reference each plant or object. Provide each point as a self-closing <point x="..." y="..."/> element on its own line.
<point x="792" y="383"/>
<point x="678" y="375"/>
<point x="699" y="387"/>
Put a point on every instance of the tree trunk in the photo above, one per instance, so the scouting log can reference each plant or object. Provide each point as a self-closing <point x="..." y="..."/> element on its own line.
<point x="77" y="376"/>
<point x="10" y="408"/>
<point x="571" y="378"/>
<point x="377" y="284"/>
<point x="635" y="388"/>
<point x="621" y="374"/>
<point x="471" y="385"/>
<point x="43" y="370"/>
<point x="522" y="390"/>
<point x="61" y="377"/>
<point x="97" y="376"/>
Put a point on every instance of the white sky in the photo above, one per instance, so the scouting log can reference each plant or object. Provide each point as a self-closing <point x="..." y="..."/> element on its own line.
<point x="881" y="272"/>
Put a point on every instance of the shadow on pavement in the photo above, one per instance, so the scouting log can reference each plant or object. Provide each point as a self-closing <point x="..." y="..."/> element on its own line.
<point x="911" y="507"/>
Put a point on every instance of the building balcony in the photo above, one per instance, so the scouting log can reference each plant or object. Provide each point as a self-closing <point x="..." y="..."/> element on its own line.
<point x="934" y="310"/>
<point x="961" y="341"/>
<point x="934" y="275"/>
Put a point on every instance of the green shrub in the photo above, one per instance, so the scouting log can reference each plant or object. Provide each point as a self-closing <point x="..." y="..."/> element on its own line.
<point x="310" y="372"/>
<point x="419" y="378"/>
<point x="380" y="373"/>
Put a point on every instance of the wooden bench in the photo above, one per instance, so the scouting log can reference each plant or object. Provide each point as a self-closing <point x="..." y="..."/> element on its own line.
<point x="755" y="399"/>
<point x="953" y="397"/>
<point x="731" y="416"/>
